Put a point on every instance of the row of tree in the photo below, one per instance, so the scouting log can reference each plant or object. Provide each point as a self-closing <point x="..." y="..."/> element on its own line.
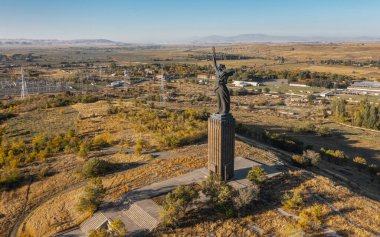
<point x="363" y="115"/>
<point x="222" y="56"/>
<point x="317" y="79"/>
<point x="375" y="63"/>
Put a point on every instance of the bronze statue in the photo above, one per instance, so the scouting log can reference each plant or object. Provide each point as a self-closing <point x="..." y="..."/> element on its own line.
<point x="221" y="90"/>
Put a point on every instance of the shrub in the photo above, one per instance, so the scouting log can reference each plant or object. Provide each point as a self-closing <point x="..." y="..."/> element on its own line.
<point x="95" y="167"/>
<point x="257" y="175"/>
<point x="283" y="141"/>
<point x="300" y="160"/>
<point x="139" y="147"/>
<point x="337" y="156"/>
<point x="294" y="230"/>
<point x="360" y="162"/>
<point x="176" y="203"/>
<point x="100" y="232"/>
<point x="340" y="157"/>
<point x="310" y="219"/>
<point x="83" y="150"/>
<point x="293" y="200"/>
<point x="92" y="197"/>
<point x="102" y="140"/>
<point x="324" y="132"/>
<point x="245" y="197"/>
<point x="117" y="228"/>
<point x="313" y="157"/>
<point x="219" y="193"/>
<point x="113" y="110"/>
<point x="89" y="99"/>
<point x="10" y="178"/>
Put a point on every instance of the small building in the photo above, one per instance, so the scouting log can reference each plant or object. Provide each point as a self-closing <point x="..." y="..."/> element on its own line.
<point x="298" y="85"/>
<point x="160" y="76"/>
<point x="326" y="94"/>
<point x="117" y="83"/>
<point x="206" y="76"/>
<point x="202" y="76"/>
<point x="364" y="87"/>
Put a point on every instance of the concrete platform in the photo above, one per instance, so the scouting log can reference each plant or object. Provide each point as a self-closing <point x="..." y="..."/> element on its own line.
<point x="140" y="214"/>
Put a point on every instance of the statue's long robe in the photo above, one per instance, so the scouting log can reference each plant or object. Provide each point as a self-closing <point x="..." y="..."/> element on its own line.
<point x="222" y="93"/>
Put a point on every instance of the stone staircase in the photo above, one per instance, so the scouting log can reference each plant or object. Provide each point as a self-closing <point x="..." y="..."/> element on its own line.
<point x="94" y="222"/>
<point x="143" y="214"/>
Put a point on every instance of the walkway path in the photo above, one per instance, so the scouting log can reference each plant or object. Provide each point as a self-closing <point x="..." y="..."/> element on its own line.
<point x="140" y="214"/>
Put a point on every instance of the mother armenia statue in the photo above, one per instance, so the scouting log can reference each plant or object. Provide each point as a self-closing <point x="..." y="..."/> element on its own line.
<point x="221" y="90"/>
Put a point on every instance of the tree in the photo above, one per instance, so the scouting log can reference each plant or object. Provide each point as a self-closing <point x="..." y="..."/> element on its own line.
<point x="311" y="98"/>
<point x="176" y="203"/>
<point x="360" y="162"/>
<point x="245" y="197"/>
<point x="339" y="109"/>
<point x="373" y="117"/>
<point x="257" y="175"/>
<point x="219" y="193"/>
<point x="95" y="167"/>
<point x="92" y="197"/>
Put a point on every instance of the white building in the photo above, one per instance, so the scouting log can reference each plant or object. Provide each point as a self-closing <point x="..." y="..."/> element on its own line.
<point x="205" y="76"/>
<point x="365" y="87"/>
<point x="246" y="83"/>
<point x="326" y="94"/>
<point x="117" y="83"/>
<point x="298" y="85"/>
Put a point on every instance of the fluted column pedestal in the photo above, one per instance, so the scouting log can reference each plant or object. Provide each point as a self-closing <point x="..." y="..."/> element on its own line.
<point x="221" y="145"/>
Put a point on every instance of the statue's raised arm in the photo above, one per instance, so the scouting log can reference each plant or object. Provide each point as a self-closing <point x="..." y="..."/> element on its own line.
<point x="214" y="60"/>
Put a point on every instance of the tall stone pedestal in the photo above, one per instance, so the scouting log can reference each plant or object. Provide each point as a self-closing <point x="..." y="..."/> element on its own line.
<point x="221" y="145"/>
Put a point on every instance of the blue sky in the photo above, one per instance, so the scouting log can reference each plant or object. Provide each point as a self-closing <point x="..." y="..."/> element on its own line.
<point x="159" y="20"/>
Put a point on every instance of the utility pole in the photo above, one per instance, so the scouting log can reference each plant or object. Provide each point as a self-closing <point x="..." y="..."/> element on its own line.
<point x="162" y="88"/>
<point x="24" y="90"/>
<point x="127" y="81"/>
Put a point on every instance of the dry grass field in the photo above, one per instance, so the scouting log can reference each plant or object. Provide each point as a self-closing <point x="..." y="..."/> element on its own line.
<point x="45" y="202"/>
<point x="297" y="57"/>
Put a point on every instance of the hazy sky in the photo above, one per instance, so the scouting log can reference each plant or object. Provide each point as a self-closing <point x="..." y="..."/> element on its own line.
<point x="157" y="20"/>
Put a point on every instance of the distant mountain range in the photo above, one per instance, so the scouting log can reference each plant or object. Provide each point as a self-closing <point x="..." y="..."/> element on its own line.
<point x="212" y="39"/>
<point x="53" y="42"/>
<point x="262" y="38"/>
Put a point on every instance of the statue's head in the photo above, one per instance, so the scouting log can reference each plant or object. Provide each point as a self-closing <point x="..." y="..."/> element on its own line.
<point x="221" y="67"/>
